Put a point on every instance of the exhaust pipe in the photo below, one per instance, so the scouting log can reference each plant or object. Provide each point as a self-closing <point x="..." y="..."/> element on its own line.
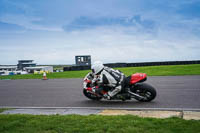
<point x="136" y="95"/>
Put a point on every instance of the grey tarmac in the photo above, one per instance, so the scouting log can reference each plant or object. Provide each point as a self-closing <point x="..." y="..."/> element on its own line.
<point x="173" y="92"/>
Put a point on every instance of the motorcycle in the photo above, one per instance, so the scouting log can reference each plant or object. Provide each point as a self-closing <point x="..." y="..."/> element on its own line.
<point x="133" y="87"/>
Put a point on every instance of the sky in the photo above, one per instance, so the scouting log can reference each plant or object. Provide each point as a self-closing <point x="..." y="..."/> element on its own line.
<point x="54" y="32"/>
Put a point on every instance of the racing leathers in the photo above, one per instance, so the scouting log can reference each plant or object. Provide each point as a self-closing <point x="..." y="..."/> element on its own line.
<point x="111" y="78"/>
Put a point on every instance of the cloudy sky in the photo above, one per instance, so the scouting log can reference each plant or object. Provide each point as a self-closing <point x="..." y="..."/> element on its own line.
<point x="54" y="31"/>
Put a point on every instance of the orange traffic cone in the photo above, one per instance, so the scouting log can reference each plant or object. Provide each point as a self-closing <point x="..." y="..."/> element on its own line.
<point x="44" y="76"/>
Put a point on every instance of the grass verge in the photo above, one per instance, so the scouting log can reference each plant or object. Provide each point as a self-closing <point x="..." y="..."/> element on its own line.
<point x="4" y="109"/>
<point x="94" y="124"/>
<point x="172" y="70"/>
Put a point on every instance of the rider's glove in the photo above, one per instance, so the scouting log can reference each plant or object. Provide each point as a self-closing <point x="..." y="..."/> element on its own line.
<point x="94" y="89"/>
<point x="94" y="81"/>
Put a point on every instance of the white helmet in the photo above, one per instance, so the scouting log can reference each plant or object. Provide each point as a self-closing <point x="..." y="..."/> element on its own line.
<point x="97" y="67"/>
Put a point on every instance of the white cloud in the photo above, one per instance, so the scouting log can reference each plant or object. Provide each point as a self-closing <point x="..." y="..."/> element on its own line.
<point x="27" y="22"/>
<point x="173" y="37"/>
<point x="108" y="45"/>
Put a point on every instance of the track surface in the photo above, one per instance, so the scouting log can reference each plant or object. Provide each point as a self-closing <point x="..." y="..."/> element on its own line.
<point x="172" y="92"/>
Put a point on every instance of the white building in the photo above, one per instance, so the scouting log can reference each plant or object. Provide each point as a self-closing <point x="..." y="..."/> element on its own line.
<point x="39" y="68"/>
<point x="12" y="70"/>
<point x="7" y="70"/>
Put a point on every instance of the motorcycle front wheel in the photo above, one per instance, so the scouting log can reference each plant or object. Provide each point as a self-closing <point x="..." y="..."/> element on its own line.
<point x="90" y="95"/>
<point x="145" y="90"/>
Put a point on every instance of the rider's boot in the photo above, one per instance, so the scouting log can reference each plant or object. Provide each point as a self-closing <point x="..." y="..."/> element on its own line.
<point x="107" y="96"/>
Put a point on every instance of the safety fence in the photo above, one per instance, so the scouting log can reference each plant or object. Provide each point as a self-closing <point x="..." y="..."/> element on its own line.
<point x="113" y="65"/>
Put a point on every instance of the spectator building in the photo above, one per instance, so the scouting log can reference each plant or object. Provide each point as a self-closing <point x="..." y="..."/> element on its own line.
<point x="25" y="63"/>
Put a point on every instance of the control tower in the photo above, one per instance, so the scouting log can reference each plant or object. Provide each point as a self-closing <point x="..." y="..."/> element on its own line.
<point x="83" y="60"/>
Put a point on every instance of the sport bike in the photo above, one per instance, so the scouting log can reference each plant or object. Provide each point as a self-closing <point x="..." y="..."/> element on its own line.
<point x="133" y="88"/>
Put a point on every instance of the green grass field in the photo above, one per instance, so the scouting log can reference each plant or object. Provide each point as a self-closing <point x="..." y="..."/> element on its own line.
<point x="172" y="70"/>
<point x="3" y="109"/>
<point x="94" y="124"/>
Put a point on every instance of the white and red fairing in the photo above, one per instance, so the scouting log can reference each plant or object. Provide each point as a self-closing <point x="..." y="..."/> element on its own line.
<point x="135" y="78"/>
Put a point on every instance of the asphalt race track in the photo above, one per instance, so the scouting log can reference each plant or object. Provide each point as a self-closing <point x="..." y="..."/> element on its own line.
<point x="172" y="92"/>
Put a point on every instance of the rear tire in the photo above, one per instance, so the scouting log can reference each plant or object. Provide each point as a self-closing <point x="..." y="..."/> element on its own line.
<point x="90" y="95"/>
<point x="145" y="90"/>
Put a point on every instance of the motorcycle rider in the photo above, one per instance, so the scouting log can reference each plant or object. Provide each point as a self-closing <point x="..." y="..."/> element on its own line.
<point x="105" y="76"/>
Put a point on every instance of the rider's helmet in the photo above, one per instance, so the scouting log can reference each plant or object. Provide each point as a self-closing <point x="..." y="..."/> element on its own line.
<point x="97" y="67"/>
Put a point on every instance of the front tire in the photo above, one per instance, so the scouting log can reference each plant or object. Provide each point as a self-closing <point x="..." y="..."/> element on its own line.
<point x="91" y="96"/>
<point x="145" y="90"/>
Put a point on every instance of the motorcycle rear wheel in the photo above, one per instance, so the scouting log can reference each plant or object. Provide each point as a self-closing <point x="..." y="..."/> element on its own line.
<point x="145" y="90"/>
<point x="91" y="96"/>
